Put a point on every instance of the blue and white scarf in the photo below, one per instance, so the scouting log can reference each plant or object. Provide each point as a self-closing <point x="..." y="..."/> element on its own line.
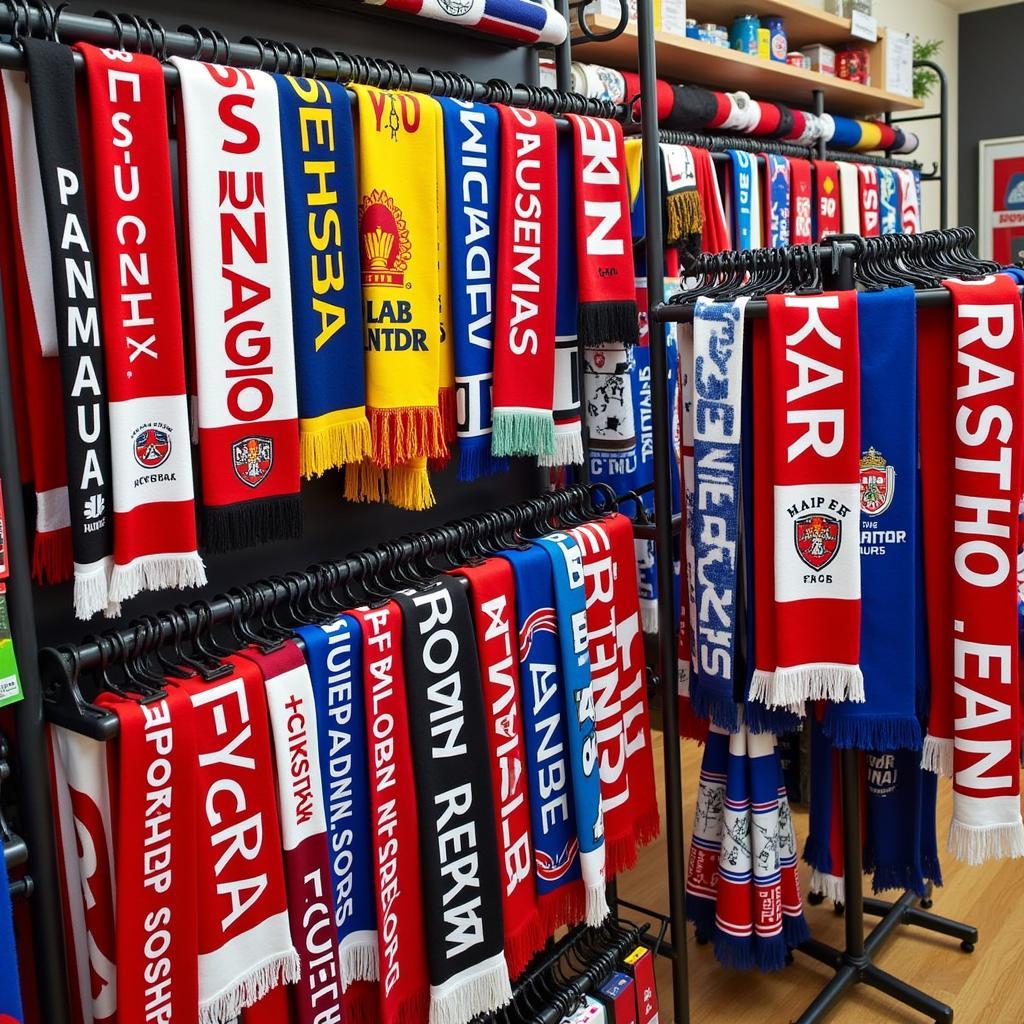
<point x="706" y="838"/>
<point x="471" y="160"/>
<point x="745" y="207"/>
<point x="335" y="659"/>
<point x="888" y="202"/>
<point x="776" y="205"/>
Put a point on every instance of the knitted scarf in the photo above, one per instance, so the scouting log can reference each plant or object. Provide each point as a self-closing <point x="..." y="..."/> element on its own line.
<point x="492" y="599"/>
<point x="706" y="839"/>
<point x="684" y="218"/>
<point x="715" y="234"/>
<point x="849" y="197"/>
<point x="462" y="880"/>
<point x="823" y="850"/>
<point x="334" y="653"/>
<point x="241" y="305"/>
<point x="777" y="200"/>
<point x="986" y="483"/>
<point x="76" y="305"/>
<point x="815" y="422"/>
<point x="910" y="201"/>
<point x="604" y="248"/>
<point x="471" y="151"/>
<point x="318" y="155"/>
<point x="827" y="212"/>
<point x="11" y="1009"/>
<point x="745" y="208"/>
<point x="869" y="200"/>
<point x="887" y="719"/>
<point x="404" y="993"/>
<point x="888" y="202"/>
<point x="801" y="204"/>
<point x="560" y="895"/>
<point x="524" y="339"/>
<point x="32" y="329"/>
<point x="892" y="848"/>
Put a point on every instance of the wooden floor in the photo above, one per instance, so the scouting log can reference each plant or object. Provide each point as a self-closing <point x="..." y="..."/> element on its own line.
<point x="985" y="987"/>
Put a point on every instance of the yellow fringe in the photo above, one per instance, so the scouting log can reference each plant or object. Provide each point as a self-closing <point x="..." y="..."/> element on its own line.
<point x="685" y="216"/>
<point x="409" y="488"/>
<point x="364" y="482"/>
<point x="402" y="434"/>
<point x="328" y="442"/>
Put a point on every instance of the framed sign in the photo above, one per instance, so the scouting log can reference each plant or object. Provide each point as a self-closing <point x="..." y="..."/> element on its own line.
<point x="1001" y="199"/>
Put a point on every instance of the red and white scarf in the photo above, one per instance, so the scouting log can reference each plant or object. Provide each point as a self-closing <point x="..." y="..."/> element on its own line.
<point x="801" y="220"/>
<point x="133" y="231"/>
<point x="826" y="198"/>
<point x="233" y="187"/>
<point x="986" y="409"/>
<point x="816" y="426"/>
<point x="870" y="201"/>
<point x="849" y="197"/>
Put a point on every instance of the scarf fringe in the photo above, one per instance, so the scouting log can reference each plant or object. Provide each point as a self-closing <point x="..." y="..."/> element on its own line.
<point x="359" y="962"/>
<point x="476" y="460"/>
<point x="647" y="827"/>
<point x="489" y="990"/>
<point x="832" y="887"/>
<point x="777" y="721"/>
<point x="937" y="756"/>
<point x="568" y="449"/>
<point x="52" y="560"/>
<point x="788" y="686"/>
<point x="157" y="572"/>
<point x="244" y="525"/>
<point x="876" y="734"/>
<point x="649" y="616"/>
<point x="413" y="1010"/>
<point x="565" y="906"/>
<point x="735" y="952"/>
<point x="282" y="969"/>
<point x="408" y="487"/>
<point x="685" y="216"/>
<point x="597" y="905"/>
<point x="976" y="844"/>
<point x="795" y="929"/>
<point x="92" y="592"/>
<point x="521" y="945"/>
<point x="817" y="855"/>
<point x="719" y="710"/>
<point x="770" y="952"/>
<point x="931" y="869"/>
<point x="896" y="876"/>
<point x="364" y="482"/>
<point x="446" y="407"/>
<point x="600" y="322"/>
<point x="523" y="432"/>
<point x="332" y="447"/>
<point x="700" y="912"/>
<point x="405" y="433"/>
<point x="620" y="853"/>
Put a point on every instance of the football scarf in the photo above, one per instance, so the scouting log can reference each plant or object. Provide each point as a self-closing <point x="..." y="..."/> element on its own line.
<point x="152" y="767"/>
<point x="745" y="208"/>
<point x="492" y="599"/>
<point x="241" y="305"/>
<point x="794" y="924"/>
<point x="10" y="984"/>
<point x="715" y="233"/>
<point x="524" y="334"/>
<point x="462" y="880"/>
<point x="154" y="510"/>
<point x="245" y="946"/>
<point x="560" y="895"/>
<point x="823" y="850"/>
<point x="849" y="197"/>
<point x="827" y="212"/>
<point x="29" y="304"/>
<point x="888" y="202"/>
<point x="566" y="570"/>
<point x="895" y="802"/>
<point x="522" y="20"/>
<point x="714" y="526"/>
<point x="604" y="247"/>
<point x="76" y="305"/>
<point x="334" y="652"/>
<point x="910" y="203"/>
<point x="801" y="203"/>
<point x="869" y="200"/>
<point x="816" y="426"/>
<point x="706" y="839"/>
<point x="887" y="719"/>
<point x="318" y="154"/>
<point x="684" y="218"/>
<point x="404" y="992"/>
<point x="988" y="339"/>
<point x="777" y="200"/>
<point x="471" y="151"/>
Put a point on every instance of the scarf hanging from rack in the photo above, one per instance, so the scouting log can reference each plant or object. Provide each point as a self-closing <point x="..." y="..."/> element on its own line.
<point x="492" y="598"/>
<point x="154" y="509"/>
<point x="471" y="151"/>
<point x="79" y="342"/>
<point x="827" y="212"/>
<point x="522" y="20"/>
<point x="816" y="424"/>
<point x="745" y="205"/>
<point x="524" y="333"/>
<point x="887" y="719"/>
<point x="849" y="197"/>
<point x="715" y="232"/>
<point x="706" y="839"/>
<point x="823" y="850"/>
<point x="404" y="984"/>
<point x="794" y="924"/>
<point x="29" y="305"/>
<point x="776" y="200"/>
<point x="889" y="222"/>
<point x="566" y="568"/>
<point x="989" y="360"/>
<point x="241" y="305"/>
<point x="245" y="946"/>
<point x="684" y="218"/>
<point x="458" y="848"/>
<point x="11" y="1009"/>
<point x="604" y="249"/>
<point x="895" y="798"/>
<point x="910" y="200"/>
<point x="801" y="203"/>
<point x="318" y="151"/>
<point x="446" y="359"/>
<point x="869" y="200"/>
<point x="560" y="893"/>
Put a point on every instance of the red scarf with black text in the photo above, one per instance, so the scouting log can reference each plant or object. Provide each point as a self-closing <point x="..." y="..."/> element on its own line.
<point x="827" y="209"/>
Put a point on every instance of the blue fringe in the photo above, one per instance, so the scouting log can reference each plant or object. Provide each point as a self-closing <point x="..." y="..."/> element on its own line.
<point x="931" y="869"/>
<point x="721" y="711"/>
<point x="817" y="855"/>
<point x="770" y="954"/>
<point x="701" y="913"/>
<point x="795" y="929"/>
<point x="864" y="732"/>
<point x="760" y="718"/>
<point x="897" y="876"/>
<point x="733" y="952"/>
<point x="476" y="460"/>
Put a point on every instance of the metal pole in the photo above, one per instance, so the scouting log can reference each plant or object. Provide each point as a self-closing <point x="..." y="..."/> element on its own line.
<point x="667" y="667"/>
<point x="563" y="52"/>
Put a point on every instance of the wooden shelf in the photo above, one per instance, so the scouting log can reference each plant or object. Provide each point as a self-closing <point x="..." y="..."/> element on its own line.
<point x="802" y="24"/>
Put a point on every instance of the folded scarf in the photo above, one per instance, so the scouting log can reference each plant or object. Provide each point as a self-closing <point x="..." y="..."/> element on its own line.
<point x="715" y="234"/>
<point x="525" y="21"/>
<point x="11" y="1009"/>
<point x="404" y="985"/>
<point x="560" y="895"/>
<point x="827" y="212"/>
<point x="801" y="203"/>
<point x="706" y="839"/>
<point x="849" y="197"/>
<point x="318" y="153"/>
<point x="816" y="424"/>
<point x="684" y="218"/>
<point x="524" y="338"/>
<point x="745" y="208"/>
<point x="888" y="202"/>
<point x="988" y="337"/>
<point x="777" y="202"/>
<point x="869" y="200"/>
<point x="910" y="200"/>
<point x="76" y="305"/>
<point x="241" y="305"/>
<point x="458" y="847"/>
<point x="887" y="719"/>
<point x="492" y="598"/>
<point x="471" y="151"/>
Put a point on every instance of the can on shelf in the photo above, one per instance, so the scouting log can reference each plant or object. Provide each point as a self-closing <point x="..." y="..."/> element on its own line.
<point x="743" y="35"/>
<point x="779" y="42"/>
<point x="764" y="44"/>
<point x="798" y="60"/>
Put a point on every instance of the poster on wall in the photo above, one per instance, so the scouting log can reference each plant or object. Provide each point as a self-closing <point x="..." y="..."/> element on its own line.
<point x="1001" y="199"/>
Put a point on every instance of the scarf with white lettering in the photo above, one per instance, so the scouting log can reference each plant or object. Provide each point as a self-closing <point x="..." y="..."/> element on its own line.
<point x="706" y="837"/>
<point x="76" y="304"/>
<point x="462" y="879"/>
<point x="988" y="353"/>
<point x="471" y="151"/>
<point x="827" y="213"/>
<point x="233" y="185"/>
<point x="776" y="200"/>
<point x="524" y="331"/>
<point x="801" y="205"/>
<point x="318" y="152"/>
<point x="869" y="200"/>
<point x="560" y="895"/>
<point x="245" y="945"/>
<point x="404" y="992"/>
<point x="684" y="217"/>
<point x="604" y="249"/>
<point x="32" y="330"/>
<point x="849" y="197"/>
<point x="910" y="200"/>
<point x="334" y="653"/>
<point x="152" y="771"/>
<point x="745" y="205"/>
<point x="154" y="507"/>
<point x="566" y="567"/>
<point x="888" y="202"/>
<point x="816" y="426"/>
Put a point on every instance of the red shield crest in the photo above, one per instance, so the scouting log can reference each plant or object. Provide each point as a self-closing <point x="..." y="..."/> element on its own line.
<point x="152" y="447"/>
<point x="817" y="538"/>
<point x="252" y="458"/>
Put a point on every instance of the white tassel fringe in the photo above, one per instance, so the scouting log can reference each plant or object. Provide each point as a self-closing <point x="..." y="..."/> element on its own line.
<point x="976" y="844"/>
<point x="597" y="905"/>
<point x="832" y="887"/>
<point x="359" y="962"/>
<point x="460" y="1001"/>
<point x="649" y="616"/>
<point x="282" y="969"/>
<point x="789" y="687"/>
<point x="92" y="590"/>
<point x="157" y="572"/>
<point x="568" y="449"/>
<point x="937" y="756"/>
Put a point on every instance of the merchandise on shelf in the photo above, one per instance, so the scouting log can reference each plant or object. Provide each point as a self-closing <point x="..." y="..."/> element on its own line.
<point x="822" y="58"/>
